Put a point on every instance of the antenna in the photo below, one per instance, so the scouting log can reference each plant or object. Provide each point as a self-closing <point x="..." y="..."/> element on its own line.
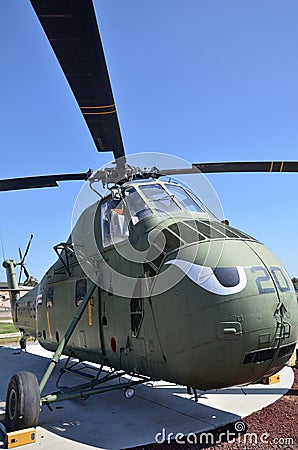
<point x="2" y="246"/>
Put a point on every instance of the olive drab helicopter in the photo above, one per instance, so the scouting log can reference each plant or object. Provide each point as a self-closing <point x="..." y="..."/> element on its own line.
<point x="150" y="283"/>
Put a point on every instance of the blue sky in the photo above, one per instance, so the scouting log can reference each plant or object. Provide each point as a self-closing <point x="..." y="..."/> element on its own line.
<point x="206" y="80"/>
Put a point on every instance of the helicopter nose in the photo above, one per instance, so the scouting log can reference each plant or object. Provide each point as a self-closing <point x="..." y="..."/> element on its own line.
<point x="276" y="294"/>
<point x="233" y="323"/>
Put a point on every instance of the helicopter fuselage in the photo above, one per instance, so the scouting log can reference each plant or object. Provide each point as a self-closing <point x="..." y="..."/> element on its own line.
<point x="181" y="296"/>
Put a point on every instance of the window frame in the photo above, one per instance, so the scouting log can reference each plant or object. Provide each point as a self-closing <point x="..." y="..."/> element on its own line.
<point x="79" y="298"/>
<point x="50" y="296"/>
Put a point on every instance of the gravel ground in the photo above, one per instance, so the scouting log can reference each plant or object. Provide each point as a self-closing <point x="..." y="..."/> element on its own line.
<point x="274" y="427"/>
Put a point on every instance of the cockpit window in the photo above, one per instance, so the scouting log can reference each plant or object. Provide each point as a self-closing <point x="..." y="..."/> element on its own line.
<point x="113" y="222"/>
<point x="137" y="207"/>
<point x="184" y="198"/>
<point x="159" y="198"/>
<point x="116" y="214"/>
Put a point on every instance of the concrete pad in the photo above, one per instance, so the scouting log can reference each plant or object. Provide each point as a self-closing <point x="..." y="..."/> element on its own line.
<point x="110" y="421"/>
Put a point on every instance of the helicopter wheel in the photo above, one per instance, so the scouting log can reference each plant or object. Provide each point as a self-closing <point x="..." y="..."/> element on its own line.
<point x="22" y="401"/>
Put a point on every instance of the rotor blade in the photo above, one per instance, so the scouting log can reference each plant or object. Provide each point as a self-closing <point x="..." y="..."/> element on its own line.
<point x="23" y="267"/>
<point x="21" y="259"/>
<point x="20" y="274"/>
<point x="249" y="166"/>
<point x="26" y="272"/>
<point x="14" y="184"/>
<point x="229" y="167"/>
<point x="27" y="248"/>
<point x="21" y="263"/>
<point x="72" y="30"/>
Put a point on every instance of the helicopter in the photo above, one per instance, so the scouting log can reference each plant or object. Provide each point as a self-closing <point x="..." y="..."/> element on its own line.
<point x="149" y="283"/>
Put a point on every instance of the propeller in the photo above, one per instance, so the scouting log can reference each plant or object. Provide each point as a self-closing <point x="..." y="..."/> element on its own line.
<point x="22" y="260"/>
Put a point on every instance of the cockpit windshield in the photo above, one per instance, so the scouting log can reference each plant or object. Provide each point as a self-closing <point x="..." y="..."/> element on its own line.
<point x="170" y="198"/>
<point x="140" y="202"/>
<point x="183" y="197"/>
<point x="159" y="198"/>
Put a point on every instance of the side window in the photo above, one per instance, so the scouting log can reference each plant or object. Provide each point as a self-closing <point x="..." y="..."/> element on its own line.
<point x="136" y="310"/>
<point x="50" y="297"/>
<point x="113" y="222"/>
<point x="81" y="289"/>
<point x="136" y="315"/>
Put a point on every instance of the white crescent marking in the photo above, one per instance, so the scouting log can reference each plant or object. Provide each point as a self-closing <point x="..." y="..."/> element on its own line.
<point x="204" y="277"/>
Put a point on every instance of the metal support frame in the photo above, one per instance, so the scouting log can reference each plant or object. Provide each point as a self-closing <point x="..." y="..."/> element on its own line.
<point x="95" y="385"/>
<point x="77" y="368"/>
<point x="66" y="337"/>
<point x="64" y="247"/>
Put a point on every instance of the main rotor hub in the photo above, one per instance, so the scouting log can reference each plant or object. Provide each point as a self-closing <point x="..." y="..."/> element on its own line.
<point x="120" y="175"/>
<point x="123" y="173"/>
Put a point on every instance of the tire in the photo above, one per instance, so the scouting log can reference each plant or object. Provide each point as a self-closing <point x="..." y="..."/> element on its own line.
<point x="22" y="402"/>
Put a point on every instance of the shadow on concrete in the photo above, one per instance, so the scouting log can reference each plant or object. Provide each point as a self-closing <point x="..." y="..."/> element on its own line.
<point x="111" y="421"/>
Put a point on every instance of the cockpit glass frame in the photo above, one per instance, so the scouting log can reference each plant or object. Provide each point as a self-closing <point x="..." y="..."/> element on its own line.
<point x="184" y="198"/>
<point x="137" y="207"/>
<point x="159" y="198"/>
<point x="143" y="200"/>
<point x="114" y="227"/>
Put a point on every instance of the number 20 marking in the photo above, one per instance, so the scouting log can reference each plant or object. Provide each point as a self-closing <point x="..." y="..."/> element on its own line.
<point x="277" y="275"/>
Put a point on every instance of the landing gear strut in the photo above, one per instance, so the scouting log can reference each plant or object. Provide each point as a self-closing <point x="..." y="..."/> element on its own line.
<point x="24" y="397"/>
<point x="23" y="400"/>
